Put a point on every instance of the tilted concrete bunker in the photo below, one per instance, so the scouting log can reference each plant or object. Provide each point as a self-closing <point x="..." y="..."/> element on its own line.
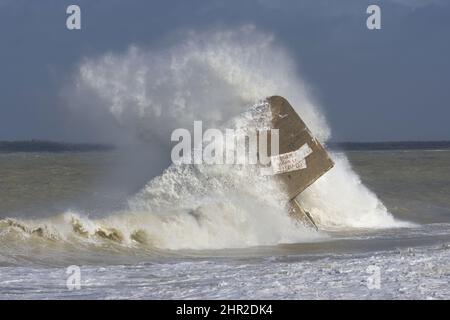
<point x="301" y="160"/>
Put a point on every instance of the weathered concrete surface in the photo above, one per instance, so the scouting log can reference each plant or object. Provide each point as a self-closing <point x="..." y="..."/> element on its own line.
<point x="297" y="212"/>
<point x="294" y="136"/>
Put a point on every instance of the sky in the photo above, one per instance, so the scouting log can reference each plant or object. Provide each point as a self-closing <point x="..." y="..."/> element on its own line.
<point x="391" y="84"/>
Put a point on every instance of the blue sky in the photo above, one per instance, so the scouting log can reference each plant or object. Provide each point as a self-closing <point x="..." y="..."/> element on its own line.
<point x="389" y="84"/>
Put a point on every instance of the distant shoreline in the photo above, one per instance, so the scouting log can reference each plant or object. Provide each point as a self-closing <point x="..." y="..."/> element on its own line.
<point x="52" y="146"/>
<point x="389" y="145"/>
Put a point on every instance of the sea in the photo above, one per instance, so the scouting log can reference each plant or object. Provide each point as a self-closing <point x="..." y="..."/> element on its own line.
<point x="383" y="215"/>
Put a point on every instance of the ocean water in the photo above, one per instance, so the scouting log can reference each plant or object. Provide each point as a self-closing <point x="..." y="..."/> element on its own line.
<point x="413" y="258"/>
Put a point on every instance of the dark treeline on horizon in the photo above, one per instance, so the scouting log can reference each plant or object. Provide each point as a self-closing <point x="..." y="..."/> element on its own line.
<point x="52" y="146"/>
<point x="389" y="145"/>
